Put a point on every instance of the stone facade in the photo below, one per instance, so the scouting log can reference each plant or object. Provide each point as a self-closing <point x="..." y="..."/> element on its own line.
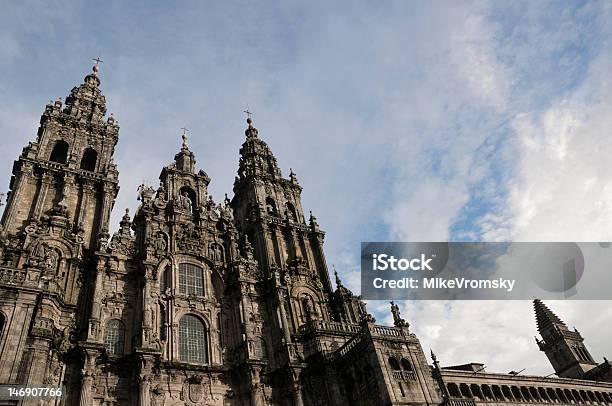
<point x="193" y="302"/>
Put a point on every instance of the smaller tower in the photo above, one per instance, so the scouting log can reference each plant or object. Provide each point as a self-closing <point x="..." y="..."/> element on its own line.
<point x="564" y="348"/>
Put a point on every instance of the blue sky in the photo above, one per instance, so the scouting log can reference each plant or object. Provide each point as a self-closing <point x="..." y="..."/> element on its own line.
<point x="403" y="121"/>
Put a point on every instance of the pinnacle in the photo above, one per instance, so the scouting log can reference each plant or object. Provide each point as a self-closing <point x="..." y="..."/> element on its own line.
<point x="545" y="317"/>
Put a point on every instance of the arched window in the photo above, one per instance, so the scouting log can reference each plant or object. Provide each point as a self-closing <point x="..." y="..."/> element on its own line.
<point x="394" y="364"/>
<point x="291" y="212"/>
<point x="88" y="162"/>
<point x="271" y="207"/>
<point x="406" y="365"/>
<point x="60" y="152"/>
<point x="164" y="280"/>
<point x="114" y="337"/>
<point x="191" y="280"/>
<point x="193" y="345"/>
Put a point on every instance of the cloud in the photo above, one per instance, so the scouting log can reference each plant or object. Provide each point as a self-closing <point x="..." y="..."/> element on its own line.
<point x="415" y="121"/>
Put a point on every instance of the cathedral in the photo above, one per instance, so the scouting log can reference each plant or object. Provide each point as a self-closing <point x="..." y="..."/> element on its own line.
<point x="197" y="302"/>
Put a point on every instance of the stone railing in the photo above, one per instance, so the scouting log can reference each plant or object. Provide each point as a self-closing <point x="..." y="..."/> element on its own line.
<point x="342" y="351"/>
<point x="460" y="402"/>
<point x="404" y="375"/>
<point x="30" y="279"/>
<point x="385" y="331"/>
<point x="11" y="276"/>
<point x="329" y="326"/>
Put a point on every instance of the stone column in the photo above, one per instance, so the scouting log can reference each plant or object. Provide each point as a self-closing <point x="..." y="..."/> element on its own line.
<point x="257" y="398"/>
<point x="94" y="321"/>
<point x="146" y="305"/>
<point x="86" y="384"/>
<point x="283" y="315"/>
<point x="45" y="181"/>
<point x="296" y="388"/>
<point x="15" y="199"/>
<point x="145" y="387"/>
<point x="107" y="202"/>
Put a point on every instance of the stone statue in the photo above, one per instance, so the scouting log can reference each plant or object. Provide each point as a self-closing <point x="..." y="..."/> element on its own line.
<point x="160" y="242"/>
<point x="51" y="260"/>
<point x="308" y="307"/>
<point x="184" y="202"/>
<point x="397" y="320"/>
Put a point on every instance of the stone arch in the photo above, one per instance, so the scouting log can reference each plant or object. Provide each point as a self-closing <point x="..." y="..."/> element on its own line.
<point x="406" y="365"/>
<point x="453" y="390"/>
<point x="535" y="395"/>
<point x="569" y="396"/>
<point x="525" y="394"/>
<point x="271" y="207"/>
<point x="507" y="393"/>
<point x="465" y="390"/>
<point x="476" y="391"/>
<point x="394" y="364"/>
<point x="591" y="396"/>
<point x="291" y="212"/>
<point x="552" y="395"/>
<point x="59" y="153"/>
<point x="497" y="393"/>
<point x="89" y="160"/>
<point x="164" y="274"/>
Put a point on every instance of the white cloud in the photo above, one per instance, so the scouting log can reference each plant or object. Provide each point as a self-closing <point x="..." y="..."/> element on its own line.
<point x="386" y="113"/>
<point x="564" y="188"/>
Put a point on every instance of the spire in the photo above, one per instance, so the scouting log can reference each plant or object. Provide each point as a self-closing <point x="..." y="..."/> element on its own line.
<point x="545" y="318"/>
<point x="86" y="102"/>
<point x="256" y="158"/>
<point x="185" y="159"/>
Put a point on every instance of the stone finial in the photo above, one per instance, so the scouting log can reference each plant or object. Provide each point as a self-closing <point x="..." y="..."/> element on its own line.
<point x="338" y="280"/>
<point x="93" y="78"/>
<point x="292" y="176"/>
<point x="184" y="138"/>
<point x="251" y="131"/>
<point x="96" y="67"/>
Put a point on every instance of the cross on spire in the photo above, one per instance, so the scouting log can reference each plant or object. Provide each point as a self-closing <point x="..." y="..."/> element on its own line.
<point x="184" y="136"/>
<point x="248" y="113"/>
<point x="96" y="67"/>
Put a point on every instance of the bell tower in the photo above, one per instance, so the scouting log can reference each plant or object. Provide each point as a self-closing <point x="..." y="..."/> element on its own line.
<point x="268" y="209"/>
<point x="68" y="172"/>
<point x="565" y="349"/>
<point x="61" y="194"/>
